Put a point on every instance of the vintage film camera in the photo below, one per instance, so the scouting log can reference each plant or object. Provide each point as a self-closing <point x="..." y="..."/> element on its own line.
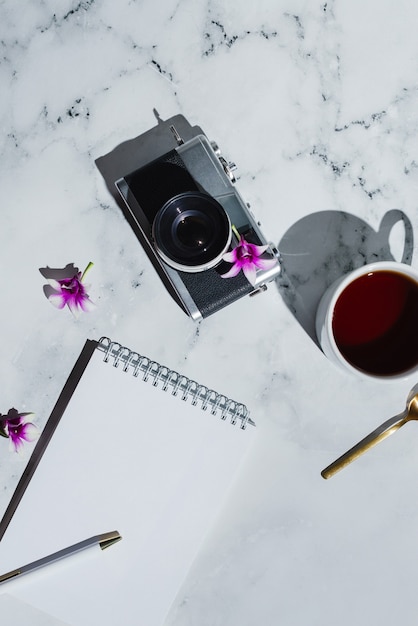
<point x="183" y="206"/>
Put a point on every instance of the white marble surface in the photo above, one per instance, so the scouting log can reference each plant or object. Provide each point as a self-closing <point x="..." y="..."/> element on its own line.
<point x="317" y="103"/>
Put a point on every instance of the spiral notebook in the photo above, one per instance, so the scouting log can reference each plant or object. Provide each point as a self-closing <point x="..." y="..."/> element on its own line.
<point x="133" y="446"/>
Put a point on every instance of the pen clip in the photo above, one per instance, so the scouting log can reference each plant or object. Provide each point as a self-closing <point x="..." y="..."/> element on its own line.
<point x="108" y="539"/>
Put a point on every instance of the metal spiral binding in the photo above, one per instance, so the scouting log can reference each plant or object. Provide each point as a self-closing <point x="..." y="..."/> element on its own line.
<point x="185" y="388"/>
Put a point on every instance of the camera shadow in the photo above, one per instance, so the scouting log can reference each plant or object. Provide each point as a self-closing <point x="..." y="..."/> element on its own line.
<point x="322" y="247"/>
<point x="138" y="151"/>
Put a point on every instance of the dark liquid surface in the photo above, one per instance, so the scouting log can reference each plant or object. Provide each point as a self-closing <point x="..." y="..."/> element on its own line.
<point x="375" y="323"/>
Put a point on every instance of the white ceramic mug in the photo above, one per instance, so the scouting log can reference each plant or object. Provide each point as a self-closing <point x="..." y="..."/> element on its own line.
<point x="327" y="314"/>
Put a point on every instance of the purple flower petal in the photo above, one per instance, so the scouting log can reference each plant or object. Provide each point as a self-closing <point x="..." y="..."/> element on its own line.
<point x="250" y="273"/>
<point x="247" y="257"/>
<point x="29" y="432"/>
<point x="256" y="250"/>
<point x="16" y="445"/>
<point x="54" y="284"/>
<point x="234" y="271"/>
<point x="71" y="292"/>
<point x="73" y="306"/>
<point x="19" y="429"/>
<point x="57" y="300"/>
<point x="87" y="305"/>
<point x="265" y="264"/>
<point x="230" y="257"/>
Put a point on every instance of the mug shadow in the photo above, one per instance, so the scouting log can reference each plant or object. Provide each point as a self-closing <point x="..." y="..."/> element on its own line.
<point x="322" y="247"/>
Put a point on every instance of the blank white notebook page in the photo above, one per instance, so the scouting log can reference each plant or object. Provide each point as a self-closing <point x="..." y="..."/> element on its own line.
<point x="14" y="612"/>
<point x="131" y="457"/>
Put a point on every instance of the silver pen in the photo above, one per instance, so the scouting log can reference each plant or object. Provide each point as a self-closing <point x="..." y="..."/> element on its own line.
<point x="102" y="541"/>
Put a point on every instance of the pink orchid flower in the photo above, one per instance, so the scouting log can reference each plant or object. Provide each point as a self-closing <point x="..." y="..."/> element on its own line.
<point x="72" y="292"/>
<point x="18" y="428"/>
<point x="247" y="257"/>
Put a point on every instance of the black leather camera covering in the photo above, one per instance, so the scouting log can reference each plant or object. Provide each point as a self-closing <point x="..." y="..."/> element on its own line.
<point x="152" y="186"/>
<point x="211" y="292"/>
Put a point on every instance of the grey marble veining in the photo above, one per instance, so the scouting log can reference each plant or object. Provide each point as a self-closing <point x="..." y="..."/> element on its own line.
<point x="317" y="103"/>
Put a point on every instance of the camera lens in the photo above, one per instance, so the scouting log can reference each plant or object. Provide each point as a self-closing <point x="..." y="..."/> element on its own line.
<point x="191" y="232"/>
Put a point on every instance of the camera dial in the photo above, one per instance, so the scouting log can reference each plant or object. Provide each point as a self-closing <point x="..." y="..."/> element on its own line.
<point x="191" y="232"/>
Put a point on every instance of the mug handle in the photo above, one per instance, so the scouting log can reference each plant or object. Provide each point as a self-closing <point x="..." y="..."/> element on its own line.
<point x="391" y="218"/>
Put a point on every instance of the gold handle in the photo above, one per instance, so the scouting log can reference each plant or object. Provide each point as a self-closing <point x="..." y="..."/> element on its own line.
<point x="386" y="429"/>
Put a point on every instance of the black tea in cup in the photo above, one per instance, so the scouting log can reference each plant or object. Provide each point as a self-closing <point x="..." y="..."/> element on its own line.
<point x="375" y="323"/>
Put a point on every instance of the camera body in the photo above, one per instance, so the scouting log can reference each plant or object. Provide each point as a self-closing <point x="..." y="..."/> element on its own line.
<point x="186" y="212"/>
